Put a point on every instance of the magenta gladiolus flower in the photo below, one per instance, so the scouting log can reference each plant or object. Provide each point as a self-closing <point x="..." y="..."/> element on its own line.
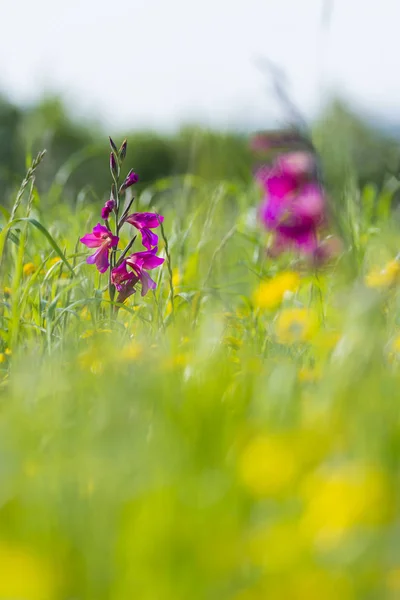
<point x="124" y="281"/>
<point x="120" y="276"/>
<point x="107" y="209"/>
<point x="102" y="239"/>
<point x="297" y="164"/>
<point x="140" y="262"/>
<point x="130" y="179"/>
<point x="294" y="204"/>
<point x="145" y="222"/>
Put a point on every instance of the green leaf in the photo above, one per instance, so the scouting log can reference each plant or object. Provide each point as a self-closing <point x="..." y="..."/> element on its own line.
<point x="42" y="229"/>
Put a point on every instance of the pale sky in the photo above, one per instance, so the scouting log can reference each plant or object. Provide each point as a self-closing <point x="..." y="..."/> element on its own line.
<point x="160" y="63"/>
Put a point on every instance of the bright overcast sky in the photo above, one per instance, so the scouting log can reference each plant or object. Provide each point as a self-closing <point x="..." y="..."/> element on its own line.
<point x="164" y="62"/>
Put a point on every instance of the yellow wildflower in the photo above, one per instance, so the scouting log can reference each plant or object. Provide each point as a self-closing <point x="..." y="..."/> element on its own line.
<point x="269" y="294"/>
<point x="86" y="314"/>
<point x="343" y="498"/>
<point x="176" y="361"/>
<point x="396" y="345"/>
<point x="2" y="357"/>
<point x="24" y="575"/>
<point x="91" y="332"/>
<point x="385" y="277"/>
<point x="268" y="465"/>
<point x="89" y="361"/>
<point x="176" y="277"/>
<point x="8" y="351"/>
<point x="168" y="310"/>
<point x="295" y="325"/>
<point x="54" y="261"/>
<point x="7" y="291"/>
<point x="28" y="269"/>
<point x="132" y="351"/>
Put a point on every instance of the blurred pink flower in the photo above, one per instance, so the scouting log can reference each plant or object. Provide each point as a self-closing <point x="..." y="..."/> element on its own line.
<point x="294" y="203"/>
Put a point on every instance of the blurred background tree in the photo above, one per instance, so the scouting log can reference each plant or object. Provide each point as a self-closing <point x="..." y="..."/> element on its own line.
<point x="350" y="145"/>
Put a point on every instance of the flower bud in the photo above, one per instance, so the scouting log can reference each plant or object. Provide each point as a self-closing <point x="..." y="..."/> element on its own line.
<point x="122" y="150"/>
<point x="113" y="146"/>
<point x="113" y="165"/>
<point x="130" y="179"/>
<point x="107" y="209"/>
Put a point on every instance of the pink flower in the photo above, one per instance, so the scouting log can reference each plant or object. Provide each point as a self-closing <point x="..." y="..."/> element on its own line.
<point x="120" y="276"/>
<point x="103" y="239"/>
<point x="130" y="179"/>
<point x="140" y="262"/>
<point x="297" y="164"/>
<point x="294" y="203"/>
<point x="144" y="222"/>
<point x="124" y="281"/>
<point x="107" y="209"/>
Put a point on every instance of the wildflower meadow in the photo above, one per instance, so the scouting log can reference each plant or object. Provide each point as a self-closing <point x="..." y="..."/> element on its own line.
<point x="200" y="385"/>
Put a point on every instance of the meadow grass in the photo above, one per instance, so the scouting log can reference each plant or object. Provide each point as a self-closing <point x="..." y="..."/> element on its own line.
<point x="233" y="435"/>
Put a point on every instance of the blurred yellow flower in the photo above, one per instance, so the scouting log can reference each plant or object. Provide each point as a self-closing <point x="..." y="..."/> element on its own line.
<point x="8" y="351"/>
<point x="90" y="361"/>
<point x="176" y="361"/>
<point x="168" y="310"/>
<point x="86" y="314"/>
<point x="342" y="498"/>
<point x="395" y="346"/>
<point x="268" y="465"/>
<point x="385" y="277"/>
<point x="176" y="277"/>
<point x="2" y="357"/>
<point x="28" y="269"/>
<point x="295" y="325"/>
<point x="131" y="351"/>
<point x="7" y="291"/>
<point x="325" y="341"/>
<point x="24" y="575"/>
<point x="54" y="261"/>
<point x="91" y="332"/>
<point x="269" y="294"/>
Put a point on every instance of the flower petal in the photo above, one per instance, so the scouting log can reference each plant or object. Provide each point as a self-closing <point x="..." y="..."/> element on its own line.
<point x="147" y="283"/>
<point x="145" y="219"/>
<point x="91" y="241"/>
<point x="100" y="259"/>
<point x="149" y="239"/>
